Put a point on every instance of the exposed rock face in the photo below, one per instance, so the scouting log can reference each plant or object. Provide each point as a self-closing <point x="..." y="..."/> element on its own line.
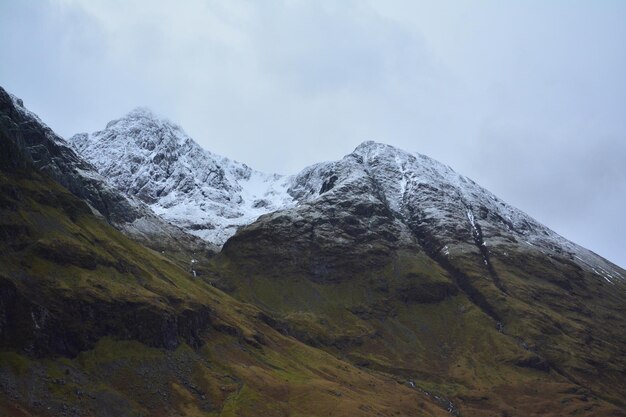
<point x="155" y="161"/>
<point x="42" y="327"/>
<point x="38" y="145"/>
<point x="384" y="243"/>
<point x="377" y="193"/>
<point x="50" y="154"/>
<point x="382" y="198"/>
<point x="342" y="230"/>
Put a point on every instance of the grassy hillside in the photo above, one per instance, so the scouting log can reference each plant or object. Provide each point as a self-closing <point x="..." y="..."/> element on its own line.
<point x="92" y="323"/>
<point x="523" y="346"/>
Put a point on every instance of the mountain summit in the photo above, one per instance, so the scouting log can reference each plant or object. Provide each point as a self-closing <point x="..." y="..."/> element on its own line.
<point x="154" y="160"/>
<point x="211" y="196"/>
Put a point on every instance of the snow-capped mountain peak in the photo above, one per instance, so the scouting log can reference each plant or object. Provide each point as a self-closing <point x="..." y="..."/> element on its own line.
<point x="430" y="196"/>
<point x="211" y="196"/>
<point x="154" y="159"/>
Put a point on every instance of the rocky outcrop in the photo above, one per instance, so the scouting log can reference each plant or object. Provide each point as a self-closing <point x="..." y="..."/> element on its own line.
<point x="328" y="240"/>
<point x="383" y="227"/>
<point x="155" y="161"/>
<point x="29" y="142"/>
<point x="51" y="155"/>
<point x="379" y="198"/>
<point x="44" y="327"/>
<point x="376" y="193"/>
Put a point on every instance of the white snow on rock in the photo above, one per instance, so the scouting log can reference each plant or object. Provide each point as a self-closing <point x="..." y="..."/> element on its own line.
<point x="211" y="196"/>
<point x="448" y="202"/>
<point x="154" y="160"/>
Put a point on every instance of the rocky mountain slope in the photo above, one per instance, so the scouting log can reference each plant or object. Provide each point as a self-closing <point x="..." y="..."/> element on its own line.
<point x="395" y="261"/>
<point x="155" y="161"/>
<point x="52" y="155"/>
<point x="380" y="284"/>
<point x="210" y="196"/>
<point x="429" y="201"/>
<point x="92" y="323"/>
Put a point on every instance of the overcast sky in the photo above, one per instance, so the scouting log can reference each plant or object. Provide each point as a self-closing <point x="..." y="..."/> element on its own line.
<point x="528" y="98"/>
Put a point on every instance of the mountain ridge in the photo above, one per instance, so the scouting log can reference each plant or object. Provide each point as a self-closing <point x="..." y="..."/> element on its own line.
<point x="54" y="156"/>
<point x="367" y="264"/>
<point x="211" y="196"/>
<point x="155" y="161"/>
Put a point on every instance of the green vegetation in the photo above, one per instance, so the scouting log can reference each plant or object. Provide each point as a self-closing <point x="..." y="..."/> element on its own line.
<point x="100" y="325"/>
<point x="410" y="318"/>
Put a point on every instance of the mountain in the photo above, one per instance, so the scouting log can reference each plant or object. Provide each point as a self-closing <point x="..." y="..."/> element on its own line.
<point x="154" y="160"/>
<point x="53" y="156"/>
<point x="211" y="196"/>
<point x="93" y="323"/>
<point x="382" y="284"/>
<point x="395" y="261"/>
<point x="425" y="203"/>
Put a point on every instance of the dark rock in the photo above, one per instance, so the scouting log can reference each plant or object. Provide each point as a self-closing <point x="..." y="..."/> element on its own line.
<point x="69" y="326"/>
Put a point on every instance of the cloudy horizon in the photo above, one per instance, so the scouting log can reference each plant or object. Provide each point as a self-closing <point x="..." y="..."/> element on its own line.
<point x="526" y="98"/>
